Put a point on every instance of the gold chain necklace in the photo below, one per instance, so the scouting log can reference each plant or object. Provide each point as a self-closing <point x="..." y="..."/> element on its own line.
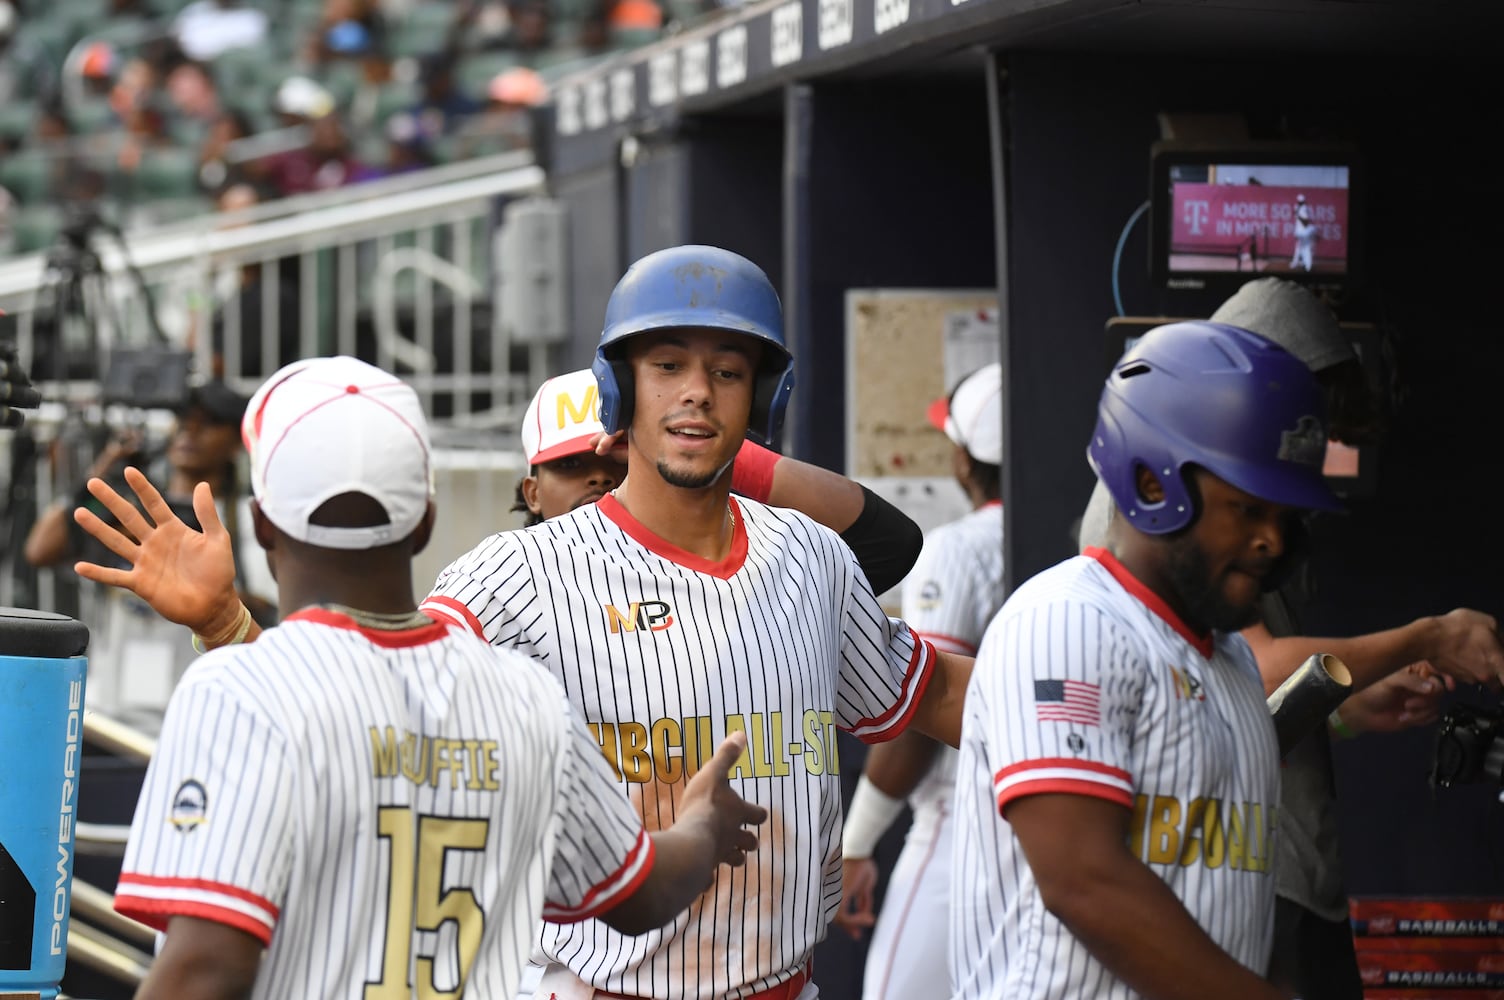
<point x="381" y="621"/>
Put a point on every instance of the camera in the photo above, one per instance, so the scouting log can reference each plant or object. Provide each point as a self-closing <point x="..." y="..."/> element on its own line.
<point x="1469" y="747"/>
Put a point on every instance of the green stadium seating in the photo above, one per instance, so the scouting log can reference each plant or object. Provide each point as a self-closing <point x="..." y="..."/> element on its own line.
<point x="398" y="95"/>
<point x="17" y="116"/>
<point x="475" y="71"/>
<point x="423" y="30"/>
<point x="35" y="227"/>
<point x="28" y="174"/>
<point x="167" y="172"/>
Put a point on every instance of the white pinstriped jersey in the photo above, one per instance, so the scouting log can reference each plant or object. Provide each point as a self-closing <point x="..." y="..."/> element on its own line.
<point x="1087" y="684"/>
<point x="665" y="653"/>
<point x="949" y="597"/>
<point x="389" y="812"/>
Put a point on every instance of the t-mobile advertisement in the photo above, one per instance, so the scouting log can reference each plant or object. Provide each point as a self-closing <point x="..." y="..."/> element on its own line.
<point x="1252" y="226"/>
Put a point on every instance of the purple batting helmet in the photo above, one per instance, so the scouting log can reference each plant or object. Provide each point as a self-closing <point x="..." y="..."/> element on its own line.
<point x="1217" y="396"/>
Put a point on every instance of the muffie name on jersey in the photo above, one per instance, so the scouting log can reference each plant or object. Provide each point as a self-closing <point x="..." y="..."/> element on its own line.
<point x="427" y="760"/>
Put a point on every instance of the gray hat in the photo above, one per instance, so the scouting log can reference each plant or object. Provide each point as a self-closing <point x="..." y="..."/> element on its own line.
<point x="1291" y="315"/>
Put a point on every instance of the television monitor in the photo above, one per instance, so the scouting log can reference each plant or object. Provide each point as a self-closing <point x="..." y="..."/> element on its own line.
<point x="1352" y="472"/>
<point x="1222" y="214"/>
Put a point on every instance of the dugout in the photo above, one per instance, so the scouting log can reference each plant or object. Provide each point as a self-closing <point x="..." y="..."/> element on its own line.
<point x="990" y="143"/>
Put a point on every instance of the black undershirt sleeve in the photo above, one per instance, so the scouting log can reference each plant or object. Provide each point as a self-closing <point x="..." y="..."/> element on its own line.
<point x="884" y="540"/>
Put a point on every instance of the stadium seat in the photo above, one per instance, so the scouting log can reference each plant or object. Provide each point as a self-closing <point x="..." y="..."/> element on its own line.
<point x="17" y="116"/>
<point x="475" y="71"/>
<point x="55" y="34"/>
<point x="90" y="116"/>
<point x="35" y="227"/>
<point x="395" y="96"/>
<point x="167" y="173"/>
<point x="423" y="30"/>
<point x="28" y="174"/>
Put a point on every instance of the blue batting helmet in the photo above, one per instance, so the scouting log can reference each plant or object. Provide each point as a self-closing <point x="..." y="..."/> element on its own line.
<point x="704" y="287"/>
<point x="1217" y="396"/>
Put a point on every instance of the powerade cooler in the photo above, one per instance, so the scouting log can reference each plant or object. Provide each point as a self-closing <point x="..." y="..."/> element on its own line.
<point x="42" y="668"/>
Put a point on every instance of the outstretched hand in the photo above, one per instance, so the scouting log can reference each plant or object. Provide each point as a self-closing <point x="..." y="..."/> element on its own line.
<point x="187" y="576"/>
<point x="1468" y="647"/>
<point x="1408" y="697"/>
<point x="856" y="915"/>
<point x="708" y="798"/>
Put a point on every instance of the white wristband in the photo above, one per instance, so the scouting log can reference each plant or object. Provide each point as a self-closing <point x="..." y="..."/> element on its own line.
<point x="872" y="812"/>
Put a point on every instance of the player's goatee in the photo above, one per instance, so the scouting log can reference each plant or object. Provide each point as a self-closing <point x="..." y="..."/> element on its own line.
<point x="687" y="480"/>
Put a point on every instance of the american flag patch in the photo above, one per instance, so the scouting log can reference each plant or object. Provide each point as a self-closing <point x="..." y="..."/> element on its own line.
<point x="1068" y="701"/>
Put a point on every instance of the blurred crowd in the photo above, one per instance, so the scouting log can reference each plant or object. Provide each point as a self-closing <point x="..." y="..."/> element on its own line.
<point x="156" y="110"/>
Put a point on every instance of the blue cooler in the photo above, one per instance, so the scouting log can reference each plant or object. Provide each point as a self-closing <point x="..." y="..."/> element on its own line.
<point x="42" y="669"/>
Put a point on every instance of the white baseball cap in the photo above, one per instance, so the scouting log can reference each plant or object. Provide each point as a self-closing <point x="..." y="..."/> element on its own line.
<point x="972" y="415"/>
<point x="326" y="426"/>
<point x="562" y="418"/>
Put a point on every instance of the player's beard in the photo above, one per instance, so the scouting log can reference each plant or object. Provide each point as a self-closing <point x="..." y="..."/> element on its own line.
<point x="1202" y="599"/>
<point x="686" y="478"/>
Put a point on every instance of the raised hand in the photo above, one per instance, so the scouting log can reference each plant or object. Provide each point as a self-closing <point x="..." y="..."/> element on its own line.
<point x="187" y="577"/>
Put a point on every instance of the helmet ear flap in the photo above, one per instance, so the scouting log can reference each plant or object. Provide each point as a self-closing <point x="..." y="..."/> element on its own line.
<point x="613" y="377"/>
<point x="769" y="403"/>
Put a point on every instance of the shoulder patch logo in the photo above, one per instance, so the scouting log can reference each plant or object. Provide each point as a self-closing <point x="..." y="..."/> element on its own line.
<point x="190" y="806"/>
<point x="929" y="595"/>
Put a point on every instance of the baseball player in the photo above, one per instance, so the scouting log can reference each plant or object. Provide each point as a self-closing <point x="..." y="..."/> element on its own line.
<point x="572" y="462"/>
<point x="674" y="613"/>
<point x="1305" y="235"/>
<point x="1118" y="781"/>
<point x="559" y="431"/>
<point x="949" y="597"/>
<point x="1392" y="687"/>
<point x="383" y="804"/>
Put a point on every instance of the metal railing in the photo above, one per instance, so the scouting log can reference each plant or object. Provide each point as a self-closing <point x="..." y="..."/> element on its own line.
<point x="399" y="270"/>
<point x="339" y="251"/>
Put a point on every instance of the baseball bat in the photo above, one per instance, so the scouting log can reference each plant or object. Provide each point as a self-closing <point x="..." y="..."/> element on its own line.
<point x="1303" y="702"/>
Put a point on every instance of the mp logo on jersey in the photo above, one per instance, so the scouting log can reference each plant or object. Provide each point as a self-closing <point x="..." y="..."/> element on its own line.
<point x="654" y="616"/>
<point x="1187" y="687"/>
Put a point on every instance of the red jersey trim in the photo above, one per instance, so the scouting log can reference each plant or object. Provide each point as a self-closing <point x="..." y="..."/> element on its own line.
<point x="613" y="889"/>
<point x="455" y="611"/>
<point x="203" y="885"/>
<point x="916" y="681"/>
<point x="1071" y="762"/>
<point x="155" y="913"/>
<point x="1204" y="643"/>
<point x="419" y="636"/>
<point x="949" y="643"/>
<point x="1067" y="786"/>
<point x="725" y="569"/>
